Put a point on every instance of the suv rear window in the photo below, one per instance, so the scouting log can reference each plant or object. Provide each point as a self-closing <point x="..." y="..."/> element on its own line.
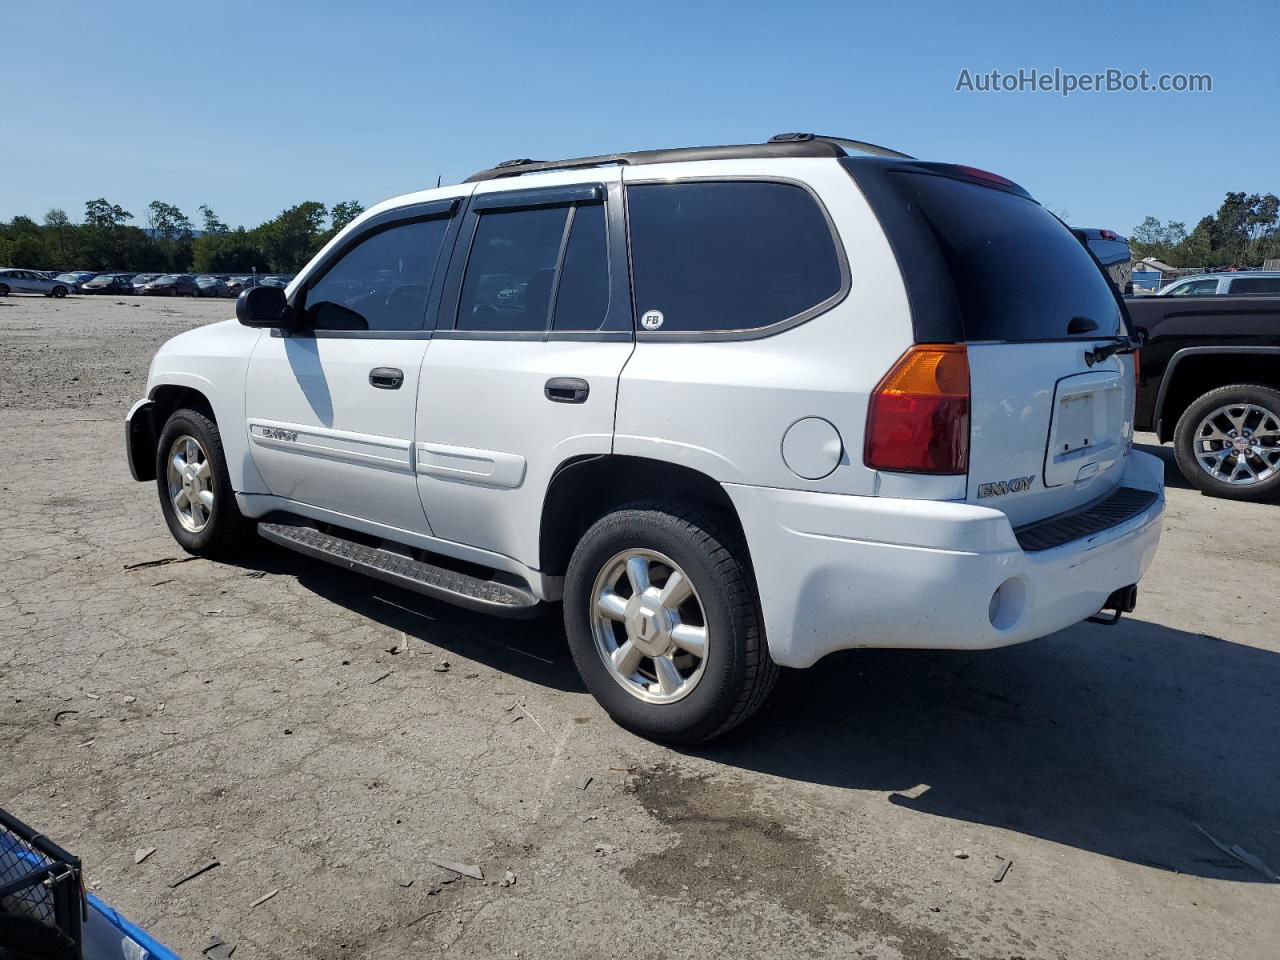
<point x="986" y="264"/>
<point x="729" y="255"/>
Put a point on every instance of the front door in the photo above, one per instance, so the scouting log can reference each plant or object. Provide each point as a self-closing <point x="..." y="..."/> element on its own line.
<point x="522" y="374"/>
<point x="330" y="406"/>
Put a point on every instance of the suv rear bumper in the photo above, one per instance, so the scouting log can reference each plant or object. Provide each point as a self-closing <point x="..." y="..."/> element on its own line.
<point x="836" y="571"/>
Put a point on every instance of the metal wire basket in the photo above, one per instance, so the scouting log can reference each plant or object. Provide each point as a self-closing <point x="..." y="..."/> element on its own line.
<point x="41" y="894"/>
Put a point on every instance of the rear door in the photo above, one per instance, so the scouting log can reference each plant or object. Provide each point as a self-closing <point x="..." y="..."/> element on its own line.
<point x="330" y="407"/>
<point x="522" y="373"/>
<point x="1051" y="425"/>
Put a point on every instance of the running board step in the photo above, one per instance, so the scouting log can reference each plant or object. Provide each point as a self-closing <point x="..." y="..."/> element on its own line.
<point x="487" y="596"/>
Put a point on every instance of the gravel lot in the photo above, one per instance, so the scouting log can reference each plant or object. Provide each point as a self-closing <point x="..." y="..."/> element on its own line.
<point x="254" y="715"/>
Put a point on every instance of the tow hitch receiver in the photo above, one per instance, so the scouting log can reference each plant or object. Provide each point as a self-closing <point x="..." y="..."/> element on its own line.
<point x="1119" y="603"/>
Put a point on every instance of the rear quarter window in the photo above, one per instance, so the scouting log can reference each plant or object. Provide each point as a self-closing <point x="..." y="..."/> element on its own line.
<point x="722" y="256"/>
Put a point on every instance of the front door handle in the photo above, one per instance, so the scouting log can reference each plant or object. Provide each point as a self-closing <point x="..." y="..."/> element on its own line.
<point x="567" y="390"/>
<point x="386" y="378"/>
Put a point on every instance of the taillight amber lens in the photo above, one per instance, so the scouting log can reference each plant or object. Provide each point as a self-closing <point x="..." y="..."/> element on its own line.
<point x="918" y="418"/>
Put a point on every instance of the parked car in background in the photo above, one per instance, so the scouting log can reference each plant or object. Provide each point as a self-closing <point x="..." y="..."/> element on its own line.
<point x="1112" y="251"/>
<point x="31" y="281"/>
<point x="237" y="284"/>
<point x="171" y="285"/>
<point x="75" y="279"/>
<point x="142" y="279"/>
<point x="117" y="283"/>
<point x="276" y="281"/>
<point x="1243" y="282"/>
<point x="213" y="287"/>
<point x="1210" y="382"/>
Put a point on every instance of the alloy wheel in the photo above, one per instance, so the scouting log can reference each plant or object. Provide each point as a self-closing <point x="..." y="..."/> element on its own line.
<point x="190" y="480"/>
<point x="649" y="626"/>
<point x="1239" y="444"/>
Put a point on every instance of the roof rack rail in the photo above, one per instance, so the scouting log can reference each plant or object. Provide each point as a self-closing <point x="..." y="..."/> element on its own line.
<point x="781" y="145"/>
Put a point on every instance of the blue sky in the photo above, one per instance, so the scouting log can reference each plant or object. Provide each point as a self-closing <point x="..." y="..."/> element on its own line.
<point x="252" y="107"/>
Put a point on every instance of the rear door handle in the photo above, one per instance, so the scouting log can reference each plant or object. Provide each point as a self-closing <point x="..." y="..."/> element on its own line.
<point x="386" y="378"/>
<point x="567" y="390"/>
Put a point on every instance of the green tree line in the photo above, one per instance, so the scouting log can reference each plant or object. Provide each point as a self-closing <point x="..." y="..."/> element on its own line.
<point x="1243" y="233"/>
<point x="110" y="238"/>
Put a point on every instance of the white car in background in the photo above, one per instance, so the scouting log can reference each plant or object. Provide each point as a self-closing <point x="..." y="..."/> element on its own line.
<point x="1240" y="282"/>
<point x="734" y="407"/>
<point x="31" y="281"/>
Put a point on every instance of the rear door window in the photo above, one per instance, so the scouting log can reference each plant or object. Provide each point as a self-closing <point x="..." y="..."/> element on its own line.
<point x="511" y="272"/>
<point x="582" y="298"/>
<point x="538" y="268"/>
<point x="723" y="256"/>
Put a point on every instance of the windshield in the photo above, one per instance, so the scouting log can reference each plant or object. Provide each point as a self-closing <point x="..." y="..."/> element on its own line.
<point x="71" y="277"/>
<point x="168" y="279"/>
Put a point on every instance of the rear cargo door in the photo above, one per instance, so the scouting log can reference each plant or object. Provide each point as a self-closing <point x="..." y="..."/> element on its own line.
<point x="1051" y="426"/>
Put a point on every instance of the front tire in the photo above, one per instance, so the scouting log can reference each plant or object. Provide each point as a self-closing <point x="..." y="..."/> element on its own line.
<point x="1227" y="443"/>
<point x="4" y="289"/>
<point x="663" y="623"/>
<point x="196" y="497"/>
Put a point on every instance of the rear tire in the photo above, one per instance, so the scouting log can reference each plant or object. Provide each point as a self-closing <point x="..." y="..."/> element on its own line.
<point x="735" y="673"/>
<point x="4" y="289"/>
<point x="1246" y="415"/>
<point x="207" y="526"/>
<point x="59" y="292"/>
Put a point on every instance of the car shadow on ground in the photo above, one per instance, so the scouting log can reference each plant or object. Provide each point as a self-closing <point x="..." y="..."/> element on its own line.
<point x="1116" y="740"/>
<point x="531" y="649"/>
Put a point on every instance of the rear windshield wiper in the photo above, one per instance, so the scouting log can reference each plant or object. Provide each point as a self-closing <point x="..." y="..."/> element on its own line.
<point x="1118" y="346"/>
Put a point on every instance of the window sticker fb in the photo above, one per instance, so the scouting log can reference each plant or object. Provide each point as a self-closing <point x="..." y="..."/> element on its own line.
<point x="652" y="319"/>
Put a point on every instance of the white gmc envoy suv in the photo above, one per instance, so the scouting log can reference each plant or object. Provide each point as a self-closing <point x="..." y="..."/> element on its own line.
<point x="736" y="407"/>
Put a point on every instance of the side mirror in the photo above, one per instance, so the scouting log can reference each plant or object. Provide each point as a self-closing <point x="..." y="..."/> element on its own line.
<point x="263" y="307"/>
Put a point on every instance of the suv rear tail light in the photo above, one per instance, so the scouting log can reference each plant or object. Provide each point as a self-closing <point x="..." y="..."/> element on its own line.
<point x="918" y="417"/>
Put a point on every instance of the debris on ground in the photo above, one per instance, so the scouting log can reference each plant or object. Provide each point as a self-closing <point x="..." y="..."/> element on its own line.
<point x="57" y="717"/>
<point x="441" y="667"/>
<point x="466" y="869"/>
<point x="604" y="849"/>
<point x="93" y="696"/>
<point x="508" y="879"/>
<point x="264" y="898"/>
<point x="158" y="563"/>
<point x="381" y="677"/>
<point x="960" y="855"/>
<point x="429" y="913"/>
<point x="585" y="782"/>
<point x="130" y="699"/>
<point x="218" y="949"/>
<point x="195" y="873"/>
<point x="1241" y="854"/>
<point x="161" y="583"/>
<point x="142" y="853"/>
<point x="404" y="881"/>
<point x="399" y="647"/>
<point x="255" y="574"/>
<point x="587" y="817"/>
<point x="1002" y="871"/>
